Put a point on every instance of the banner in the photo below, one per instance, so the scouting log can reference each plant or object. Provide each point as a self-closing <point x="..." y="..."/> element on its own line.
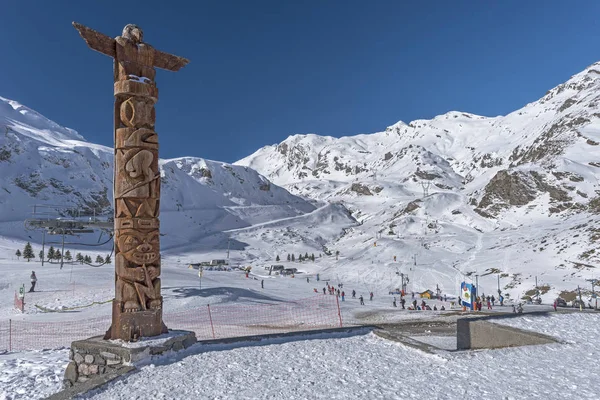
<point x="467" y="294"/>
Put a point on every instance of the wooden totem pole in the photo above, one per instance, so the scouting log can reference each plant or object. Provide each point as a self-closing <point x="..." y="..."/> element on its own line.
<point x="137" y="306"/>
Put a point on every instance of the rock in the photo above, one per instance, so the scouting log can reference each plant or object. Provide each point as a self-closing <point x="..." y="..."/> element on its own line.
<point x="190" y="340"/>
<point x="83" y="369"/>
<point x="177" y="346"/>
<point x="89" y="358"/>
<point x="113" y="362"/>
<point x="83" y="379"/>
<point x="71" y="373"/>
<point x="109" y="356"/>
<point x="361" y="189"/>
<point x="93" y="369"/>
<point x="78" y="358"/>
<point x="99" y="360"/>
<point x="158" y="350"/>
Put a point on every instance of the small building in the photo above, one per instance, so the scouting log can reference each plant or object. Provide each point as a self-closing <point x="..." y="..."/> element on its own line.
<point x="276" y="268"/>
<point x="428" y="294"/>
<point x="218" y="262"/>
<point x="289" y="271"/>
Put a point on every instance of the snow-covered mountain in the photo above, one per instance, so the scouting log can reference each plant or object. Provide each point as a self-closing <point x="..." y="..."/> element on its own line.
<point x="514" y="196"/>
<point x="500" y="200"/>
<point x="44" y="163"/>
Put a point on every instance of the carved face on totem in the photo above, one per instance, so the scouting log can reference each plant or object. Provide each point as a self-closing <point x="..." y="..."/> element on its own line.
<point x="133" y="33"/>
<point x="139" y="247"/>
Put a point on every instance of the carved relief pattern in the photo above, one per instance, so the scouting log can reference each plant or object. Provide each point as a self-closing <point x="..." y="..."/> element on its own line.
<point x="137" y="182"/>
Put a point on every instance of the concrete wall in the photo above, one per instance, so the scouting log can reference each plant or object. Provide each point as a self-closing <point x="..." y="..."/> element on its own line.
<point x="480" y="334"/>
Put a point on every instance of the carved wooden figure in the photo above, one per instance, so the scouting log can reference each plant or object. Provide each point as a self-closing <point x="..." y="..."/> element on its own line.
<point x="137" y="307"/>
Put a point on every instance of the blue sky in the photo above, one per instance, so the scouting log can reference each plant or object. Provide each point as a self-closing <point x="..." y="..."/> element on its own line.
<point x="263" y="70"/>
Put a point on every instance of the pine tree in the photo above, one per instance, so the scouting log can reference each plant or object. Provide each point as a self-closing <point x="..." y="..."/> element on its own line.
<point x="99" y="259"/>
<point x="277" y="258"/>
<point x="293" y="258"/>
<point x="50" y="255"/>
<point x="28" y="252"/>
<point x="312" y="257"/>
<point x="306" y="255"/>
<point x="57" y="255"/>
<point x="300" y="258"/>
<point x="88" y="259"/>
<point x="41" y="255"/>
<point x="289" y="257"/>
<point x="18" y="254"/>
<point x="79" y="257"/>
<point x="107" y="260"/>
<point x="68" y="256"/>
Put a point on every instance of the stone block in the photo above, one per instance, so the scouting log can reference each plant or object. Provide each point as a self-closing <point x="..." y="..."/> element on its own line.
<point x="89" y="358"/>
<point x="93" y="369"/>
<point x="83" y="379"/>
<point x="481" y="334"/>
<point x="113" y="362"/>
<point x="78" y="358"/>
<point x="99" y="360"/>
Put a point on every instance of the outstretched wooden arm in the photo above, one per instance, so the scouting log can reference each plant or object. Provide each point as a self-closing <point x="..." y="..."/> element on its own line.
<point x="96" y="40"/>
<point x="169" y="61"/>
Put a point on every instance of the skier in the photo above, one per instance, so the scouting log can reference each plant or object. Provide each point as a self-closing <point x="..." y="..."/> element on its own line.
<point x="434" y="307"/>
<point x="371" y="296"/>
<point x="520" y="309"/>
<point x="445" y="299"/>
<point x="324" y="291"/>
<point x="493" y="300"/>
<point x="394" y="302"/>
<point x="262" y="284"/>
<point x="307" y="280"/>
<point x="554" y="305"/>
<point x="514" y="309"/>
<point x="362" y="301"/>
<point x="402" y="302"/>
<point x="414" y="304"/>
<point x="353" y="294"/>
<point x="343" y="296"/>
<point x="413" y="294"/>
<point x="501" y="300"/>
<point x="33" y="279"/>
<point x="489" y="304"/>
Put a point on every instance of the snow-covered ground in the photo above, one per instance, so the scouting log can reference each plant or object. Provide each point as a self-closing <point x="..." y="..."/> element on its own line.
<point x="350" y="367"/>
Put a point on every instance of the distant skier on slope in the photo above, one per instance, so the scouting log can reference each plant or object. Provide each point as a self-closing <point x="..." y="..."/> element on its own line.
<point x="353" y="294"/>
<point x="362" y="301"/>
<point x="33" y="279"/>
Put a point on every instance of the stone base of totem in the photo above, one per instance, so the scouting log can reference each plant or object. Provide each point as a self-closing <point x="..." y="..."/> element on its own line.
<point x="135" y="325"/>
<point x="95" y="361"/>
